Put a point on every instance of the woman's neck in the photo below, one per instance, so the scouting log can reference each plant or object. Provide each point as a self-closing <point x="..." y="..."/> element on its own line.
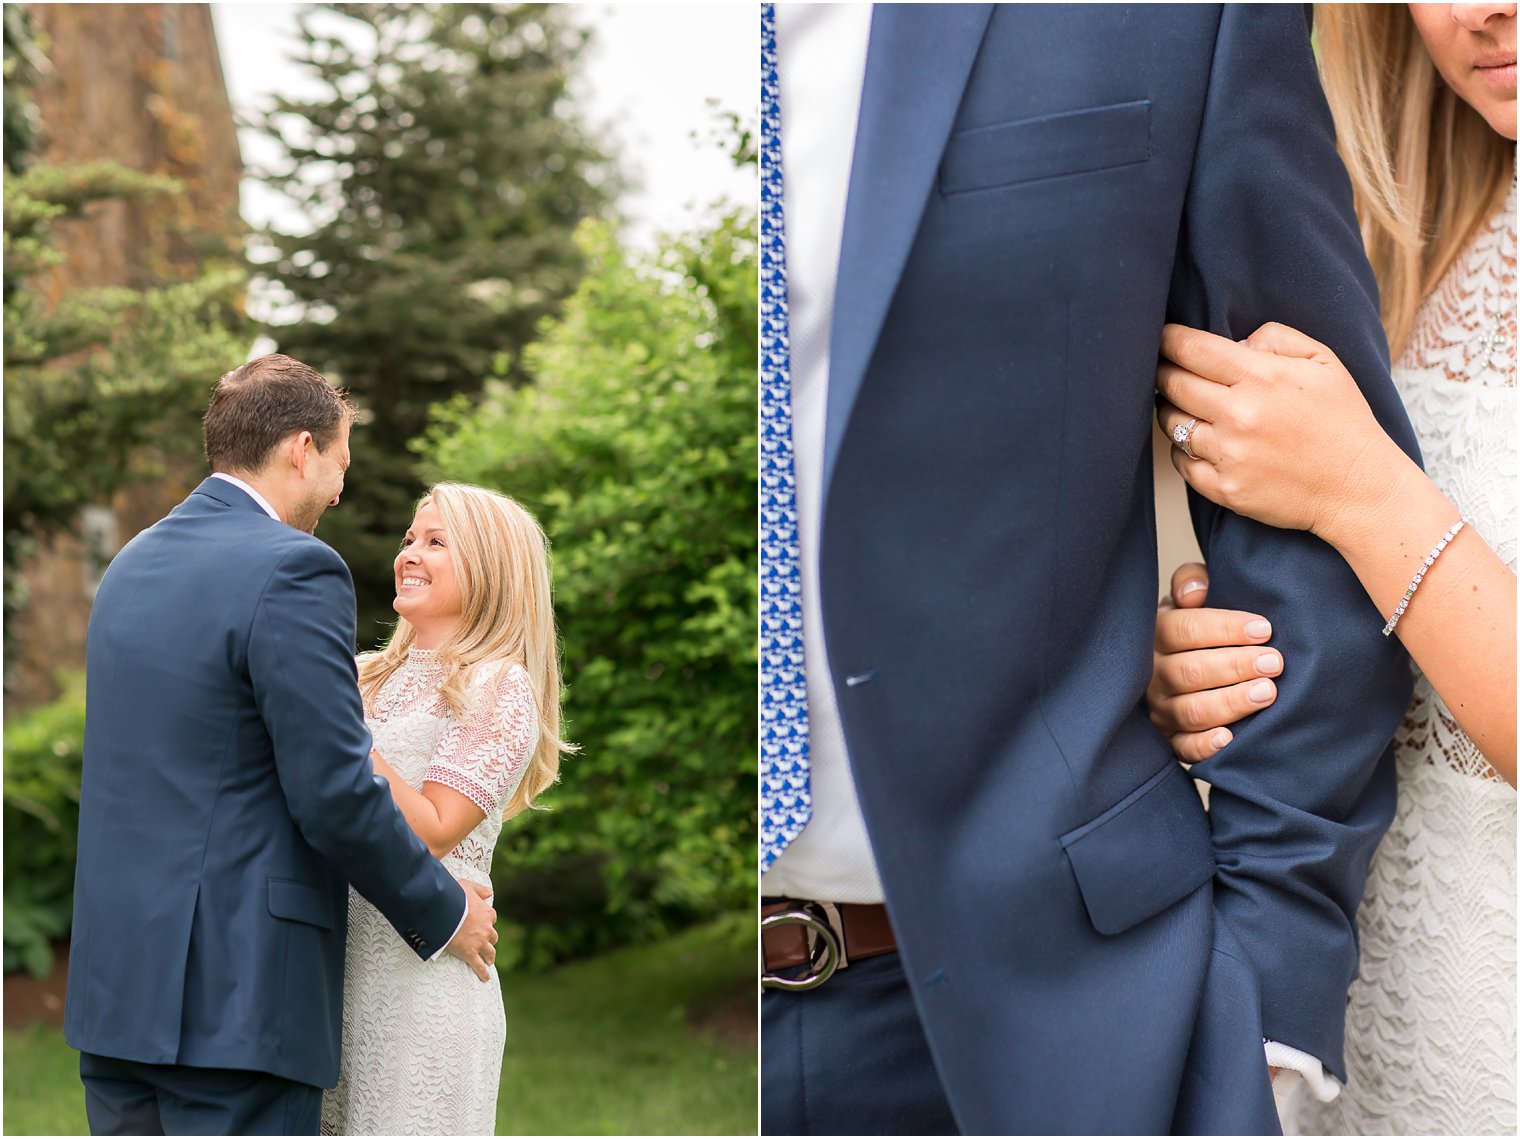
<point x="429" y="637"/>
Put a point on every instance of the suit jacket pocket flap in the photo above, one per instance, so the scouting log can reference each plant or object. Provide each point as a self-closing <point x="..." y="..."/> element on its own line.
<point x="1145" y="853"/>
<point x="297" y="901"/>
<point x="1074" y="142"/>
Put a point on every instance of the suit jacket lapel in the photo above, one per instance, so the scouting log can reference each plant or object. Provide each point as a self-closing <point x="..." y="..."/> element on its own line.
<point x="919" y="59"/>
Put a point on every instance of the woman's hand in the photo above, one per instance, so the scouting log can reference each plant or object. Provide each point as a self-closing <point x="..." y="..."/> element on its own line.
<point x="1210" y="668"/>
<point x="1282" y="433"/>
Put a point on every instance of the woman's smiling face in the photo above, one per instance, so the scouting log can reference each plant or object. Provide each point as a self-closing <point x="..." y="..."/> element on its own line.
<point x="427" y="589"/>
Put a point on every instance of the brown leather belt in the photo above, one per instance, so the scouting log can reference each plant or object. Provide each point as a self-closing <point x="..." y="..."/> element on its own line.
<point x="827" y="935"/>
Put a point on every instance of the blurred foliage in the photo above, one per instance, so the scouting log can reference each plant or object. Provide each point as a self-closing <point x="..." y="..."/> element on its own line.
<point x="91" y="379"/>
<point x="635" y="445"/>
<point x="102" y="385"/>
<point x="42" y="770"/>
<point x="22" y="62"/>
<point x="442" y="173"/>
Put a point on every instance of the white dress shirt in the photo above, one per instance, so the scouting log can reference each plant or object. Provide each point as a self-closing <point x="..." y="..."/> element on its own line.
<point x="249" y="491"/>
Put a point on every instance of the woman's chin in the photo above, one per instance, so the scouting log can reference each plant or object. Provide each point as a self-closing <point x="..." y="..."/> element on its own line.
<point x="1502" y="120"/>
<point x="1499" y="111"/>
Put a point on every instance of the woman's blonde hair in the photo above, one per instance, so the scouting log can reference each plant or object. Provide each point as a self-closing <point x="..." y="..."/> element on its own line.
<point x="1426" y="167"/>
<point x="501" y="562"/>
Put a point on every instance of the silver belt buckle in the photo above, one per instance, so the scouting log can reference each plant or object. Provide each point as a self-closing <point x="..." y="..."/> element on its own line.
<point x="826" y="953"/>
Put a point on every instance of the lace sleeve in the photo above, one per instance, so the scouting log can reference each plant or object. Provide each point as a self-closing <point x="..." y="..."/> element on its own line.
<point x="483" y="756"/>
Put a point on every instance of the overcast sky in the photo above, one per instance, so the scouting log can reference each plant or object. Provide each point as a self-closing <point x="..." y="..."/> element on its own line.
<point x="647" y="79"/>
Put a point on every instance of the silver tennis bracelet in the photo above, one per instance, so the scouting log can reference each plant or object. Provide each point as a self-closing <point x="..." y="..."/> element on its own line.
<point x="1419" y="576"/>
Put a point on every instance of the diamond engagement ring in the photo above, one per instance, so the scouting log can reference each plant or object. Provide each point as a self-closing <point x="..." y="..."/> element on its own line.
<point x="1182" y="433"/>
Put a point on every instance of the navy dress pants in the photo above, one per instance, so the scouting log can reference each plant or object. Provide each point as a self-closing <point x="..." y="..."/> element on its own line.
<point x="123" y="1097"/>
<point x="849" y="1058"/>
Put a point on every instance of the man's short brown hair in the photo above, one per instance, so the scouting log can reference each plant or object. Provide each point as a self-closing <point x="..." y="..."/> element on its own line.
<point x="266" y="400"/>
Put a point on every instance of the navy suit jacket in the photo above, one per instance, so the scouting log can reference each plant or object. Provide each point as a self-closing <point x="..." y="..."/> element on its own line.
<point x="228" y="800"/>
<point x="1035" y="190"/>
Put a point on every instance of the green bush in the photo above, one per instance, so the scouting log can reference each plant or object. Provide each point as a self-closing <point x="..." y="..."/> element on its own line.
<point x="42" y="770"/>
<point x="635" y="445"/>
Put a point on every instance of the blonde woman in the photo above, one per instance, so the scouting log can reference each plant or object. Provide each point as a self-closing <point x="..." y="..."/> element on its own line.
<point x="1424" y="103"/>
<point x="463" y="703"/>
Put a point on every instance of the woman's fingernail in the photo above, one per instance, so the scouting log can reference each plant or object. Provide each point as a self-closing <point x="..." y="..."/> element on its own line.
<point x="1268" y="663"/>
<point x="1219" y="739"/>
<point x="1261" y="691"/>
<point x="1191" y="587"/>
<point x="1258" y="628"/>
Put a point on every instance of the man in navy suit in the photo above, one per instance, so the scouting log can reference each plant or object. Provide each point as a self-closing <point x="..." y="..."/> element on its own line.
<point x="228" y="798"/>
<point x="1074" y="945"/>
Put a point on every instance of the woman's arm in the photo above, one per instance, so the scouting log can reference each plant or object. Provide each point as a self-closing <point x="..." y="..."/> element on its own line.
<point x="478" y="760"/>
<point x="439" y="815"/>
<point x="1283" y="435"/>
<point x="1460" y="623"/>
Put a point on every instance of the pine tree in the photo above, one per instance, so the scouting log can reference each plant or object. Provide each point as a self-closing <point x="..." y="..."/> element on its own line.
<point x="441" y="174"/>
<point x="103" y="385"/>
<point x="21" y="61"/>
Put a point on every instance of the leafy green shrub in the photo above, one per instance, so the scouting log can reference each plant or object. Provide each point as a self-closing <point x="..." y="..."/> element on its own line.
<point x="42" y="770"/>
<point x="635" y="445"/>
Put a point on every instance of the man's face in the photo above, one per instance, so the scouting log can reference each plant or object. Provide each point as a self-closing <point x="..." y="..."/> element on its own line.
<point x="323" y="482"/>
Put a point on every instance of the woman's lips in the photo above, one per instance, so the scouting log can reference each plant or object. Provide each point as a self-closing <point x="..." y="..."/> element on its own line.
<point x="1500" y="76"/>
<point x="1496" y="67"/>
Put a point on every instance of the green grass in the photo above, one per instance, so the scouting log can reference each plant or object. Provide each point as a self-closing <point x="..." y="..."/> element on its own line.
<point x="42" y="1091"/>
<point x="607" y="1046"/>
<point x="618" y="1045"/>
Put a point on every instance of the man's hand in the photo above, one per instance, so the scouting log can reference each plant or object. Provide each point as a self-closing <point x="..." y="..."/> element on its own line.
<point x="475" y="943"/>
<point x="1211" y="668"/>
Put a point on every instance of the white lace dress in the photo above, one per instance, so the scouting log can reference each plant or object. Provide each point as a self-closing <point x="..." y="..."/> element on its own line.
<point x="422" y="1040"/>
<point x="1430" y="1029"/>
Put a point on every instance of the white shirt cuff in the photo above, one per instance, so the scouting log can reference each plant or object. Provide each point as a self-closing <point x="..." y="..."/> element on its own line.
<point x="457" y="928"/>
<point x="1297" y="1066"/>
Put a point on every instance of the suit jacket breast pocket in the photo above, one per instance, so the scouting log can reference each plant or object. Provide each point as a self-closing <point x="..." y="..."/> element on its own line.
<point x="1049" y="146"/>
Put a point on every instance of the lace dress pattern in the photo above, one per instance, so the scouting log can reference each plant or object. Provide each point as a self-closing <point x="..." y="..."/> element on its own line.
<point x="423" y="1040"/>
<point x="1430" y="1028"/>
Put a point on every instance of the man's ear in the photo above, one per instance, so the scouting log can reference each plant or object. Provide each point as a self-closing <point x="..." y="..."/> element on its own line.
<point x="299" y="450"/>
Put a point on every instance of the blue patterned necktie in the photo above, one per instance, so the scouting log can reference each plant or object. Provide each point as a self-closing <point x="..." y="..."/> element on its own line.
<point x="785" y="804"/>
